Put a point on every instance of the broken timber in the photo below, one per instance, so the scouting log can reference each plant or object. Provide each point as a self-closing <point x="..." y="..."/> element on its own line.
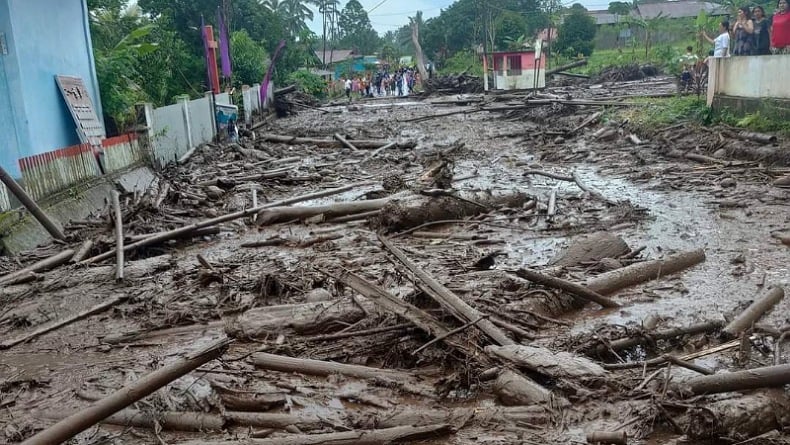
<point x="84" y="419"/>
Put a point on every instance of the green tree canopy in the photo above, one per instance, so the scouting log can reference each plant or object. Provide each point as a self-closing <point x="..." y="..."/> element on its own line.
<point x="356" y="32"/>
<point x="619" y="8"/>
<point x="577" y="32"/>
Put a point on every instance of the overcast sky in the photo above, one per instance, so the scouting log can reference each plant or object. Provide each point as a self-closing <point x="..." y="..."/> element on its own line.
<point x="389" y="15"/>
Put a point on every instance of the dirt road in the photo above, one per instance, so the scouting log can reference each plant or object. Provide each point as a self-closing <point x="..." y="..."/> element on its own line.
<point x="299" y="285"/>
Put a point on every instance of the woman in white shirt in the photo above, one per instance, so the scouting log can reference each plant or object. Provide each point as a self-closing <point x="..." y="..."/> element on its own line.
<point x="721" y="44"/>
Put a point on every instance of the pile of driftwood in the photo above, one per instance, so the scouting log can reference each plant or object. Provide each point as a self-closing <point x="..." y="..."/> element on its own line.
<point x="627" y="73"/>
<point x="453" y="84"/>
<point x="338" y="322"/>
<point x="290" y="100"/>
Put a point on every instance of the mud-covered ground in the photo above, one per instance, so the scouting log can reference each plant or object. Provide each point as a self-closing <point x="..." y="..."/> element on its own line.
<point x="640" y="190"/>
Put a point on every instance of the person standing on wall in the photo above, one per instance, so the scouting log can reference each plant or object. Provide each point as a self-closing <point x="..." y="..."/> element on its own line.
<point x="721" y="44"/>
<point x="780" y="29"/>
<point x="743" y="33"/>
<point x="762" y="38"/>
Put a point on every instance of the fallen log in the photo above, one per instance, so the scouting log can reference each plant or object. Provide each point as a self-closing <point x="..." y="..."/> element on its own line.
<point x="345" y="142"/>
<point x="740" y="418"/>
<point x="694" y="157"/>
<point x="567" y="66"/>
<point x="513" y="389"/>
<point x="554" y="364"/>
<point x="281" y="363"/>
<point x="567" y="286"/>
<point x="757" y="137"/>
<point x="175" y="233"/>
<point x="551" y="175"/>
<point x="275" y="215"/>
<point x="308" y="318"/>
<point x="385" y="436"/>
<point x="199" y="421"/>
<point x="610" y="282"/>
<point x="649" y="337"/>
<point x="65" y="322"/>
<point x="765" y="377"/>
<point x="458" y="417"/>
<point x="206" y="231"/>
<point x="426" y="322"/>
<point x="250" y="401"/>
<point x="753" y="313"/>
<point x="31" y="206"/>
<point x="84" y="419"/>
<point x="82" y="252"/>
<point x="413" y="210"/>
<point x="688" y="365"/>
<point x="40" y="266"/>
<point x="608" y="437"/>
<point x="25" y="277"/>
<point x="448" y="300"/>
<point x="331" y="143"/>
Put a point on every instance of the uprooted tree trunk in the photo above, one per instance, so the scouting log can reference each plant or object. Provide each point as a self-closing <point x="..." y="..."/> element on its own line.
<point x="415" y="39"/>
<point x="610" y="282"/>
<point x="308" y="318"/>
<point x="368" y="437"/>
<point x="458" y="417"/>
<point x="553" y="364"/>
<point x="284" y="214"/>
<point x="513" y="389"/>
<point x="740" y="417"/>
<point x="412" y="210"/>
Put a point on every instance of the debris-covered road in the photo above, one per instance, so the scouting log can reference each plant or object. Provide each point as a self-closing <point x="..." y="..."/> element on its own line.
<point x="456" y="269"/>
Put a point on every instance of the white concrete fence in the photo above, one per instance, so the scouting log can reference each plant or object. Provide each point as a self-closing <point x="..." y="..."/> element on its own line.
<point x="171" y="131"/>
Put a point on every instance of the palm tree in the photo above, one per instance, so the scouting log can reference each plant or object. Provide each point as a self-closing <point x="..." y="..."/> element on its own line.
<point x="292" y="13"/>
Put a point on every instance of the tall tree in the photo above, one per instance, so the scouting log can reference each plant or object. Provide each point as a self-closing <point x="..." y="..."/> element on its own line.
<point x="577" y="32"/>
<point x="355" y="29"/>
<point x="416" y="23"/>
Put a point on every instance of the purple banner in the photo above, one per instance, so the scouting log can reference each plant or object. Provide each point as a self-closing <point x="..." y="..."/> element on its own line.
<point x="206" y="53"/>
<point x="268" y="77"/>
<point x="224" y="45"/>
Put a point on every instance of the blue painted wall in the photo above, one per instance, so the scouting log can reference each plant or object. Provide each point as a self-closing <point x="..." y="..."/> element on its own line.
<point x="45" y="38"/>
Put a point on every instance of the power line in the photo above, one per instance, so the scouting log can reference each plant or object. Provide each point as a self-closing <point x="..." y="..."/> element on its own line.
<point x="377" y="5"/>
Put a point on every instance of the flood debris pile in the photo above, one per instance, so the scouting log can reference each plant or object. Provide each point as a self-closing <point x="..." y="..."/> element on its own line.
<point x="345" y="279"/>
<point x="454" y="84"/>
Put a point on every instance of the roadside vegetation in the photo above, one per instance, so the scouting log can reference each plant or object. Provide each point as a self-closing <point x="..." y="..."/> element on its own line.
<point x="658" y="113"/>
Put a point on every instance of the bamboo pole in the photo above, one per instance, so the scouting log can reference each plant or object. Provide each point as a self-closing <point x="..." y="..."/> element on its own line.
<point x="116" y="204"/>
<point x="84" y="419"/>
<point x="31" y="205"/>
<point x="181" y="231"/>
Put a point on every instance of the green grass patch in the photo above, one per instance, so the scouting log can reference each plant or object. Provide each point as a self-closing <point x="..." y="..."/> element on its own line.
<point x="658" y="113"/>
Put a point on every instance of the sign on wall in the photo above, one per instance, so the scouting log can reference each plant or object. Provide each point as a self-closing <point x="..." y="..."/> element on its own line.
<point x="89" y="127"/>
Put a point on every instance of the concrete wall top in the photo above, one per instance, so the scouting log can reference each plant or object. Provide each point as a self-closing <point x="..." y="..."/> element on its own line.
<point x="752" y="76"/>
<point x="46" y="38"/>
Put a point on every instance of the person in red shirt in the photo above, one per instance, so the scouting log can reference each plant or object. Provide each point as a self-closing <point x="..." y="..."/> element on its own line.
<point x="780" y="29"/>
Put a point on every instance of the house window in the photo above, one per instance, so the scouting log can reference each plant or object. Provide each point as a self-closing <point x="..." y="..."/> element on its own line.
<point x="498" y="62"/>
<point x="514" y="65"/>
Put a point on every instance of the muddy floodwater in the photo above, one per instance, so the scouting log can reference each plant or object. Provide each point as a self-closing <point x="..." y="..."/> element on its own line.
<point x="284" y="283"/>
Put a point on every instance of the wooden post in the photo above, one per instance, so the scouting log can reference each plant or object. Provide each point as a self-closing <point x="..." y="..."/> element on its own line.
<point x="116" y="204"/>
<point x="31" y="205"/>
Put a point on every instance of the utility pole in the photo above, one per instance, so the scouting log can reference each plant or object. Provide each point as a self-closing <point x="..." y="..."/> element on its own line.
<point x="323" y="13"/>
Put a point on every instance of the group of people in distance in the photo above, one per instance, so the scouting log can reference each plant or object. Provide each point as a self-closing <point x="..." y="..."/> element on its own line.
<point x="401" y="82"/>
<point x="753" y="34"/>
